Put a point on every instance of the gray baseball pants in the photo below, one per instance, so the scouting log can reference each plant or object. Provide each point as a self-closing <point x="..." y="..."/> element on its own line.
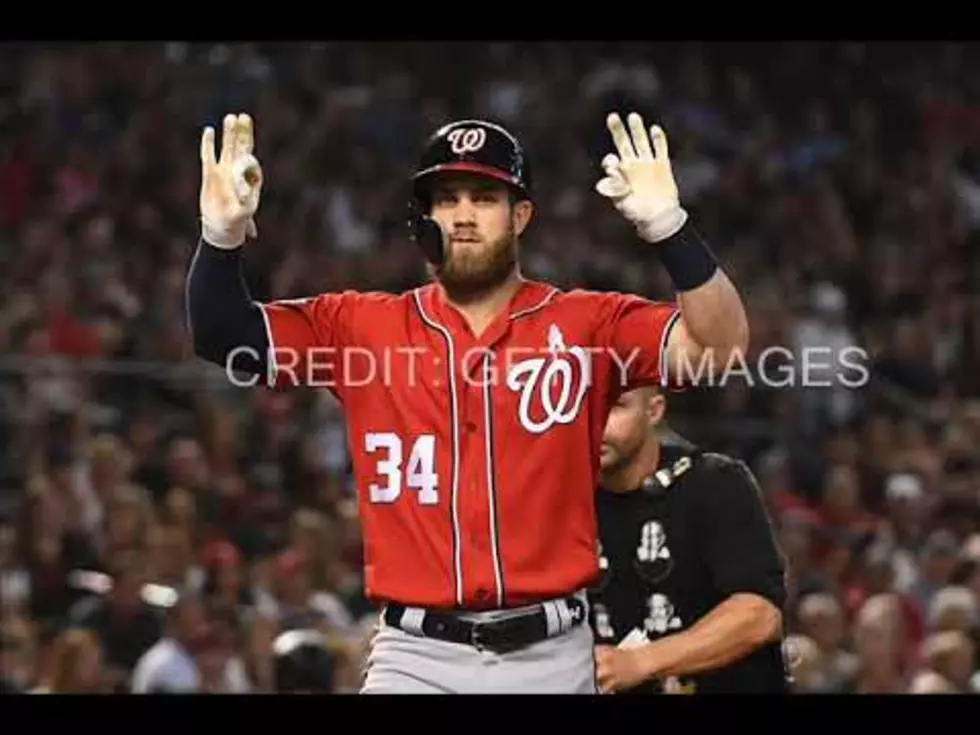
<point x="402" y="662"/>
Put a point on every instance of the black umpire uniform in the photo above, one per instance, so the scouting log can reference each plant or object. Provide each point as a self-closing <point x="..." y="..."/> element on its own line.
<point x="695" y="533"/>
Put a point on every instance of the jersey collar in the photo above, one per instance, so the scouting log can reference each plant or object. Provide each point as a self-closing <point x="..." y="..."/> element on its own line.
<point x="530" y="297"/>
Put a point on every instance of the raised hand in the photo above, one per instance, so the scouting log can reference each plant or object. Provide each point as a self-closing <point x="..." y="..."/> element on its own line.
<point x="639" y="179"/>
<point x="231" y="184"/>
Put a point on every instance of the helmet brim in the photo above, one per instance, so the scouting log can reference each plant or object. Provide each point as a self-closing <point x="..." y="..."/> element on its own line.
<point x="469" y="167"/>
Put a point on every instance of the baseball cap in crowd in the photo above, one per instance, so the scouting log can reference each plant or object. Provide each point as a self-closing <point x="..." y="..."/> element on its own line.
<point x="903" y="486"/>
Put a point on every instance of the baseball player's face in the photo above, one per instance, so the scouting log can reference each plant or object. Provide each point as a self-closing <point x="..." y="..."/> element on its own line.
<point x="482" y="226"/>
<point x="628" y="426"/>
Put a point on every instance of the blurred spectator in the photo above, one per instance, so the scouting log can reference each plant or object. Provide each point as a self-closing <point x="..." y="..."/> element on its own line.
<point x="937" y="561"/>
<point x="821" y="621"/>
<point x="125" y="623"/>
<point x="168" y="667"/>
<point x="190" y="658"/>
<point x="803" y="657"/>
<point x="223" y="586"/>
<point x="954" y="609"/>
<point x="929" y="682"/>
<point x="294" y="602"/>
<point x="76" y="665"/>
<point x="879" y="641"/>
<point x="15" y="581"/>
<point x="18" y="655"/>
<point x="951" y="655"/>
<point x="967" y="574"/>
<point x="221" y="671"/>
<point x="170" y="557"/>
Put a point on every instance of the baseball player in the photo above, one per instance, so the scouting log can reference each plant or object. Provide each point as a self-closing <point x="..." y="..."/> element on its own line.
<point x="475" y="403"/>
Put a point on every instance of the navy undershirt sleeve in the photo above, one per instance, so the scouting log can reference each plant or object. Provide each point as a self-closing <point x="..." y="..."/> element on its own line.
<point x="221" y="313"/>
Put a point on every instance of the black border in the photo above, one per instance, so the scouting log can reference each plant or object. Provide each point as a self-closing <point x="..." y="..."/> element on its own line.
<point x="732" y="714"/>
<point x="655" y="24"/>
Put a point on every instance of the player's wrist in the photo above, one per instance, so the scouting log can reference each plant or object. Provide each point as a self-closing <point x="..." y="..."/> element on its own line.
<point x="687" y="258"/>
<point x="663" y="226"/>
<point x="219" y="255"/>
<point x="223" y="238"/>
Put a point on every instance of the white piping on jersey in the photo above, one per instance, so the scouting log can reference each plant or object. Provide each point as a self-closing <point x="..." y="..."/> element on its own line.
<point x="270" y="367"/>
<point x="540" y="305"/>
<point x="187" y="288"/>
<point x="457" y="554"/>
<point x="298" y="300"/>
<point x="498" y="572"/>
<point x="671" y="323"/>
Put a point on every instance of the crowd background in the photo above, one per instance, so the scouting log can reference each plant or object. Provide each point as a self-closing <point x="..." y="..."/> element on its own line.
<point x="839" y="183"/>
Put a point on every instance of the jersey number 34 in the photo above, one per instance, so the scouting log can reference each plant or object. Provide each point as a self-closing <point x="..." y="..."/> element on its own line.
<point x="418" y="473"/>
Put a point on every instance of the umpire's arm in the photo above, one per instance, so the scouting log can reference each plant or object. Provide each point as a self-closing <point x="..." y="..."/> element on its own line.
<point x="740" y="550"/>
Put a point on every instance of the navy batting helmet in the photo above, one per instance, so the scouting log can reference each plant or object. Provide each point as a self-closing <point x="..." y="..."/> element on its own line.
<point x="478" y="147"/>
<point x="466" y="146"/>
<point x="303" y="663"/>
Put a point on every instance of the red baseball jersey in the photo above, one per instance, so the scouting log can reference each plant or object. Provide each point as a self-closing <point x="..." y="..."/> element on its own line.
<point x="476" y="457"/>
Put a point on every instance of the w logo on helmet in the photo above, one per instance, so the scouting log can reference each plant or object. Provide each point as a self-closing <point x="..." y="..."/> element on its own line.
<point x="466" y="140"/>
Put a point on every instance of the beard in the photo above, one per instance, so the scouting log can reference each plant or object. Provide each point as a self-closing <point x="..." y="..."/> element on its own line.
<point x="471" y="271"/>
<point x="617" y="454"/>
<point x="611" y="459"/>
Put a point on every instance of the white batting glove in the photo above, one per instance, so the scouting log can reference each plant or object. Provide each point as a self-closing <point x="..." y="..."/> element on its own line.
<point x="639" y="181"/>
<point x="230" y="185"/>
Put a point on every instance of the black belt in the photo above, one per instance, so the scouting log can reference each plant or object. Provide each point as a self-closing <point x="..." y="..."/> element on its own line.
<point x="499" y="636"/>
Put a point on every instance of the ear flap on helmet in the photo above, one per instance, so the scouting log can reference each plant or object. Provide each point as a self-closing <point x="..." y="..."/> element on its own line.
<point x="426" y="233"/>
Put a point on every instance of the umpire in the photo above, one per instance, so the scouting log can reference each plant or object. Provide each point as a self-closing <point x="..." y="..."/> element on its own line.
<point x="692" y="587"/>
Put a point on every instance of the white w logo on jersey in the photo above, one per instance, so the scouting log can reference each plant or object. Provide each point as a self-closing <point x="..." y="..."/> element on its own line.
<point x="537" y="383"/>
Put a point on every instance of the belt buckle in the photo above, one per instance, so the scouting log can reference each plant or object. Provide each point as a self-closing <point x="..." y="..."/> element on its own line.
<point x="493" y="636"/>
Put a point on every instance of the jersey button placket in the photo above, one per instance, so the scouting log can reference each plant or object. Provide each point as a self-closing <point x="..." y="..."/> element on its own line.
<point x="477" y="517"/>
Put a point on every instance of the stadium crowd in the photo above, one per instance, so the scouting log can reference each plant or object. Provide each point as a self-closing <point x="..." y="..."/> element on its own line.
<point x="839" y="183"/>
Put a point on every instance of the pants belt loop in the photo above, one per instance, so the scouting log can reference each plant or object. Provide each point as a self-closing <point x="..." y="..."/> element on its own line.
<point x="552" y="617"/>
<point x="411" y="621"/>
<point x="564" y="616"/>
